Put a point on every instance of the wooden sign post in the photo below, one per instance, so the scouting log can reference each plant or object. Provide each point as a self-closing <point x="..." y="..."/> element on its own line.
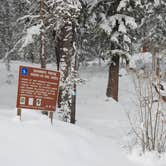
<point x="37" y="89"/>
<point x="19" y="112"/>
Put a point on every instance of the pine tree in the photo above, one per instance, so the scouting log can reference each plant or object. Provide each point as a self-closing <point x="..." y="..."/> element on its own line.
<point x="152" y="27"/>
<point x="114" y="18"/>
<point x="66" y="15"/>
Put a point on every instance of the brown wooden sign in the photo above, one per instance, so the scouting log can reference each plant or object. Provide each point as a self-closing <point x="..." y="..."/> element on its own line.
<point x="37" y="88"/>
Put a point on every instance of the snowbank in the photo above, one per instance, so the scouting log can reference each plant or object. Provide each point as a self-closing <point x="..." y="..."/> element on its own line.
<point x="141" y="61"/>
<point x="34" y="142"/>
<point x="148" y="159"/>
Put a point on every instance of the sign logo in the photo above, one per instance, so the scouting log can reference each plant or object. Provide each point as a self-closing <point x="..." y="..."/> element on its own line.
<point x="38" y="102"/>
<point x="24" y="71"/>
<point x="22" y="100"/>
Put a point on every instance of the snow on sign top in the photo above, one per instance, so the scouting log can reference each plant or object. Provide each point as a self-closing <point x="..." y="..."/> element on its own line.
<point x="37" y="88"/>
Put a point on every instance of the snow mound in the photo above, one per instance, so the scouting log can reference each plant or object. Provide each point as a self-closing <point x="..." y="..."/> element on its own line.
<point x="148" y="159"/>
<point x="34" y="141"/>
<point x="141" y="61"/>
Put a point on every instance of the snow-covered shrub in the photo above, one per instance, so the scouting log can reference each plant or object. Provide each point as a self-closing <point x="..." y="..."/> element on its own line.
<point x="149" y="121"/>
<point x="141" y="61"/>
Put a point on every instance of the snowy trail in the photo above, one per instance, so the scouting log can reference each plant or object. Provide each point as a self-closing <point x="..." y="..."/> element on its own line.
<point x="96" y="112"/>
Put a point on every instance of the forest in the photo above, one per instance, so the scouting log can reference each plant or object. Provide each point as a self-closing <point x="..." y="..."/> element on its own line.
<point x="106" y="36"/>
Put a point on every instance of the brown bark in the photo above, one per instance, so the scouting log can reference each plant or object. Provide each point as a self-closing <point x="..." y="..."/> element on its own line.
<point x="113" y="78"/>
<point x="66" y="52"/>
<point x="42" y="52"/>
<point x="73" y="107"/>
<point x="57" y="52"/>
<point x="157" y="67"/>
<point x="42" y="44"/>
<point x="42" y="47"/>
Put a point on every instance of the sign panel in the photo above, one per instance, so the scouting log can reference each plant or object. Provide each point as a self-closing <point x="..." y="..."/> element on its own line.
<point x="37" y="88"/>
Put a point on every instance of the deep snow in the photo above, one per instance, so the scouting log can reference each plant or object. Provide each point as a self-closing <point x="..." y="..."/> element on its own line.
<point x="99" y="137"/>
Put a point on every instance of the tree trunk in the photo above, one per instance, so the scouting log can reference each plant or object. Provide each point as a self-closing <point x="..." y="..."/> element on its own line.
<point x="158" y="67"/>
<point x="58" y="53"/>
<point x="73" y="107"/>
<point x="42" y="43"/>
<point x="74" y="66"/>
<point x="42" y="52"/>
<point x="113" y="78"/>
<point x="42" y="35"/>
<point x="66" y="55"/>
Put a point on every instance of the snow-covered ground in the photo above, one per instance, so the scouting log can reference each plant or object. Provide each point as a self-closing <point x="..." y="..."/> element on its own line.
<point x="99" y="138"/>
<point x="140" y="61"/>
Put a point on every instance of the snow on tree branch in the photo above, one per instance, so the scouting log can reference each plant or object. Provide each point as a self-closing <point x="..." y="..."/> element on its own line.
<point x="31" y="32"/>
<point x="124" y="21"/>
<point x="122" y="5"/>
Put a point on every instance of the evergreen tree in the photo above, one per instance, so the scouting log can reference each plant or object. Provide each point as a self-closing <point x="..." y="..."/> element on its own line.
<point x="114" y="18"/>
<point x="65" y="19"/>
<point x="151" y="28"/>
